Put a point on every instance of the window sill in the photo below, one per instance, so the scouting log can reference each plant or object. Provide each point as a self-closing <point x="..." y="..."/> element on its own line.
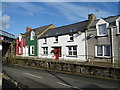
<point x="31" y="54"/>
<point x="118" y="34"/>
<point x="70" y="56"/>
<point x="44" y="43"/>
<point x="101" y="36"/>
<point x="55" y="42"/>
<point x="44" y="55"/>
<point x="71" y="41"/>
<point x="103" y="57"/>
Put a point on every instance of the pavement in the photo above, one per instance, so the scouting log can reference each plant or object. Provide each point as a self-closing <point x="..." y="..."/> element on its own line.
<point x="6" y="84"/>
<point x="36" y="78"/>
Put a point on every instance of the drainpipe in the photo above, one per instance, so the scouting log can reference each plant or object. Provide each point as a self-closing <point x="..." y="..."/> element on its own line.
<point x="111" y="43"/>
<point x="86" y="45"/>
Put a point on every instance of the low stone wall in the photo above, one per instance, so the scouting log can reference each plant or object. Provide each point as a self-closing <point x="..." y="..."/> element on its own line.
<point x="84" y="68"/>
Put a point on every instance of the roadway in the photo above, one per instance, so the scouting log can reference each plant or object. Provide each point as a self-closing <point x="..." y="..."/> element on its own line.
<point x="36" y="78"/>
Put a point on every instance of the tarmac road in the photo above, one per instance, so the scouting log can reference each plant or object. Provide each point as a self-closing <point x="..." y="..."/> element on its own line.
<point x="36" y="78"/>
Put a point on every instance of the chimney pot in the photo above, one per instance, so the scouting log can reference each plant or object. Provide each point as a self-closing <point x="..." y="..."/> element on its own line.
<point x="28" y="28"/>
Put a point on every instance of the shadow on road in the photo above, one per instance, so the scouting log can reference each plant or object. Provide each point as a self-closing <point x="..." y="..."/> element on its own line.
<point x="8" y="85"/>
<point x="86" y="87"/>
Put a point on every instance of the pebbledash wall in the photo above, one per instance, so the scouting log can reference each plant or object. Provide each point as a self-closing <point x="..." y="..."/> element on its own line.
<point x="63" y="42"/>
<point x="111" y="38"/>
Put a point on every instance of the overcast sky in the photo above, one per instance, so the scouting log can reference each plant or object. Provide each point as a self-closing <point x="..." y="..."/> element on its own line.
<point x="17" y="15"/>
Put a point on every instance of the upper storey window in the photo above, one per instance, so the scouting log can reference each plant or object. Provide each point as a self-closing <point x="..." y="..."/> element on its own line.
<point x="20" y="37"/>
<point x="101" y="27"/>
<point x="119" y="27"/>
<point x="32" y="35"/>
<point x="102" y="30"/>
<point x="71" y="37"/>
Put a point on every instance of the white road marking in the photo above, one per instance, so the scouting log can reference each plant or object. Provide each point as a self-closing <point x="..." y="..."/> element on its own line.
<point x="68" y="85"/>
<point x="33" y="75"/>
<point x="64" y="84"/>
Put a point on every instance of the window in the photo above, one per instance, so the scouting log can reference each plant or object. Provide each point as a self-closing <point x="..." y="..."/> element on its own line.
<point x="45" y="50"/>
<point x="102" y="29"/>
<point x="32" y="50"/>
<point x="71" y="37"/>
<point x="20" y="38"/>
<point x="56" y="39"/>
<point x="72" y="50"/>
<point x="103" y="50"/>
<point x="32" y="35"/>
<point x="19" y="50"/>
<point x="45" y="40"/>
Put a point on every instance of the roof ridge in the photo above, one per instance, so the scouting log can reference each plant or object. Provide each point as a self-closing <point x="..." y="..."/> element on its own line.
<point x="42" y="26"/>
<point x="70" y="24"/>
<point x="36" y="28"/>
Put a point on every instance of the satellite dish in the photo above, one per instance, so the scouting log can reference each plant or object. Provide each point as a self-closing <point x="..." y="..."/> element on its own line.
<point x="79" y="33"/>
<point x="91" y="35"/>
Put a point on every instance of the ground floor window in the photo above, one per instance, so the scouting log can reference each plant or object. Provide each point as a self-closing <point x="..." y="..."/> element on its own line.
<point x="19" y="50"/>
<point x="72" y="50"/>
<point x="31" y="50"/>
<point x="45" y="50"/>
<point x="103" y="50"/>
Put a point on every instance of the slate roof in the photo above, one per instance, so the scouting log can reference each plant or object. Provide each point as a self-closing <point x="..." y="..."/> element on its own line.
<point x="36" y="30"/>
<point x="74" y="28"/>
<point x="67" y="29"/>
<point x="111" y="20"/>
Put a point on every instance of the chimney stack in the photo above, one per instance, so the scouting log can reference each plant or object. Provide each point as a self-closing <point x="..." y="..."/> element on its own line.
<point x="91" y="18"/>
<point x="28" y="28"/>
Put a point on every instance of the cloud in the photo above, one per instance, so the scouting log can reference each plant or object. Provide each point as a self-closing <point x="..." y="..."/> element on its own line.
<point x="4" y="21"/>
<point x="76" y="12"/>
<point x="60" y="0"/>
<point x="28" y="8"/>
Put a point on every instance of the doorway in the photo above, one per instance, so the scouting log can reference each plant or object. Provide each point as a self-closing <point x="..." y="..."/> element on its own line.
<point x="57" y="52"/>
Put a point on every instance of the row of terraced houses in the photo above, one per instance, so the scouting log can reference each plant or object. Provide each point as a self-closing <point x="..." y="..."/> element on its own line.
<point x="92" y="39"/>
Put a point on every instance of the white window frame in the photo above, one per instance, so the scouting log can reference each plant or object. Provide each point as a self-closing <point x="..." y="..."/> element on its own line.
<point x="103" y="53"/>
<point x="45" y="50"/>
<point x="99" y="30"/>
<point x="72" y="51"/>
<point x="32" y="48"/>
<point x="26" y="50"/>
<point x="20" y="37"/>
<point x="101" y="22"/>
<point x="19" y="50"/>
<point x="32" y="35"/>
<point x="118" y="25"/>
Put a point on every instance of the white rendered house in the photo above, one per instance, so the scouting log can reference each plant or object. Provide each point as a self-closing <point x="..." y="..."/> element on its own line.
<point x="69" y="39"/>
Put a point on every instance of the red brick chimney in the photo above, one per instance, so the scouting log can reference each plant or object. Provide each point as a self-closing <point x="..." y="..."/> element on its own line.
<point x="28" y="28"/>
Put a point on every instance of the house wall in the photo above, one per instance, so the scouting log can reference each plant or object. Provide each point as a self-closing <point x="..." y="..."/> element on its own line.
<point x="79" y="40"/>
<point x="31" y="43"/>
<point x="20" y="44"/>
<point x="103" y="40"/>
